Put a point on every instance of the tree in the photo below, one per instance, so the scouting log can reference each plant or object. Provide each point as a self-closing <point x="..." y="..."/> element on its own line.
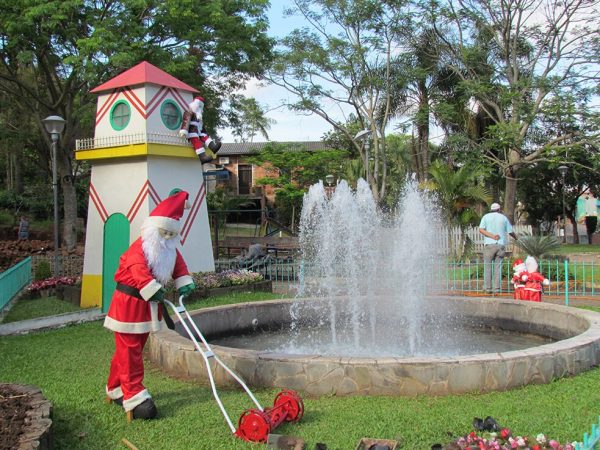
<point x="512" y="56"/>
<point x="247" y="119"/>
<point x="563" y="114"/>
<point x="53" y="52"/>
<point x="343" y="61"/>
<point x="458" y="193"/>
<point x="291" y="170"/>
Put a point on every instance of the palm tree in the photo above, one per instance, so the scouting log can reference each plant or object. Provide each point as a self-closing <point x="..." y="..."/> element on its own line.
<point x="458" y="192"/>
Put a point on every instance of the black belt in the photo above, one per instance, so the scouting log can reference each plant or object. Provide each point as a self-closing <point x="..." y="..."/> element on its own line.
<point x="130" y="290"/>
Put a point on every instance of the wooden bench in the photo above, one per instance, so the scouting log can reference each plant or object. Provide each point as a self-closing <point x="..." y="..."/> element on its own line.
<point x="279" y="246"/>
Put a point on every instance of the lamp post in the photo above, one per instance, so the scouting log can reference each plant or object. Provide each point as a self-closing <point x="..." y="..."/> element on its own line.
<point x="364" y="136"/>
<point x="54" y="126"/>
<point x="563" y="172"/>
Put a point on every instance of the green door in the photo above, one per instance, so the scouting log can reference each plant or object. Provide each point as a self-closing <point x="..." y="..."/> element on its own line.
<point x="116" y="241"/>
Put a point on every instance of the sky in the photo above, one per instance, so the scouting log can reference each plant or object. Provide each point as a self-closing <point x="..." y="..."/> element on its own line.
<point x="289" y="126"/>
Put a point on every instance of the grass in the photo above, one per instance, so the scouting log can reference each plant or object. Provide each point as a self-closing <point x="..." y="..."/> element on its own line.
<point x="569" y="249"/>
<point x="70" y="365"/>
<point x="39" y="307"/>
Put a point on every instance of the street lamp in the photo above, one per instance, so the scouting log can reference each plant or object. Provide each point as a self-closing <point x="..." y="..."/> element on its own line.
<point x="54" y="126"/>
<point x="563" y="172"/>
<point x="364" y="136"/>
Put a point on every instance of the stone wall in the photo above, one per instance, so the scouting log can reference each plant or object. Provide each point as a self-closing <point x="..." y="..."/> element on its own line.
<point x="70" y="265"/>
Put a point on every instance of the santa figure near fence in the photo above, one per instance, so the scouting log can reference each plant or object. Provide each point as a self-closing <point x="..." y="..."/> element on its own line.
<point x="535" y="281"/>
<point x="192" y="128"/>
<point x="137" y="307"/>
<point x="519" y="278"/>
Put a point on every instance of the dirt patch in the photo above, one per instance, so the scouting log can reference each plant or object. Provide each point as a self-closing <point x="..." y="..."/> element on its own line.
<point x="24" y="418"/>
<point x="11" y="252"/>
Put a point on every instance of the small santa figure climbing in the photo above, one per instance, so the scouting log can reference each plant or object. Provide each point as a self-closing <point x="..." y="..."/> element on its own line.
<point x="519" y="278"/>
<point x="192" y="128"/>
<point x="535" y="281"/>
<point x="137" y="309"/>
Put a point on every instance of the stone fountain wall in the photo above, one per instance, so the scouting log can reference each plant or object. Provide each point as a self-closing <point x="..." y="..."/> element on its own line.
<point x="577" y="350"/>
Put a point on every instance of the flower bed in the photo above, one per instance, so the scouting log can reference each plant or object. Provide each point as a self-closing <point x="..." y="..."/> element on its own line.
<point x="49" y="286"/>
<point x="503" y="439"/>
<point x="232" y="277"/>
<point x="210" y="284"/>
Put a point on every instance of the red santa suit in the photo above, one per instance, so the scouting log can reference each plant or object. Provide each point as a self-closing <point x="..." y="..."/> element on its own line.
<point x="519" y="278"/>
<point x="192" y="128"/>
<point x="533" y="286"/>
<point x="132" y="316"/>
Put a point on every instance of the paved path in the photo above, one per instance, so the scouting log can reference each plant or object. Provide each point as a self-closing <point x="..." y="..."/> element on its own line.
<point x="50" y="322"/>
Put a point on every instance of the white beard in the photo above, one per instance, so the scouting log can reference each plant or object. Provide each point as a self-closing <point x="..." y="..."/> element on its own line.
<point x="160" y="253"/>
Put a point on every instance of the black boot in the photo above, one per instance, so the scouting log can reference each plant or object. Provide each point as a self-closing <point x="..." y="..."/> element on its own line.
<point x="214" y="145"/>
<point x="204" y="158"/>
<point x="478" y="424"/>
<point x="489" y="424"/>
<point x="145" y="410"/>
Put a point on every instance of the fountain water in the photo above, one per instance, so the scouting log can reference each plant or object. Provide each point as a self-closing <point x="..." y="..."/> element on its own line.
<point x="362" y="263"/>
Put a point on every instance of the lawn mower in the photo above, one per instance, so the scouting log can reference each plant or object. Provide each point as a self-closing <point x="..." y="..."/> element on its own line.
<point x="254" y="425"/>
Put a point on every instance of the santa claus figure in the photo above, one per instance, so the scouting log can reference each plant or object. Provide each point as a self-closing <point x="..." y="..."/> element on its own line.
<point x="519" y="278"/>
<point x="535" y="281"/>
<point x="192" y="128"/>
<point x="137" y="309"/>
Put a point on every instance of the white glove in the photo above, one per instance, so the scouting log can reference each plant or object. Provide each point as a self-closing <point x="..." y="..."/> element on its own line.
<point x="183" y="133"/>
<point x="546" y="282"/>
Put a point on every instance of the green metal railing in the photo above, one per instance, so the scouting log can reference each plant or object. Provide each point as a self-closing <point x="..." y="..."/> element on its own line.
<point x="13" y="280"/>
<point x="582" y="278"/>
<point x="568" y="279"/>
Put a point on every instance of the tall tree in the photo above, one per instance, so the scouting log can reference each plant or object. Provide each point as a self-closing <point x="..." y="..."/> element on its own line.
<point x="512" y="56"/>
<point x="247" y="119"/>
<point x="342" y="63"/>
<point x="53" y="52"/>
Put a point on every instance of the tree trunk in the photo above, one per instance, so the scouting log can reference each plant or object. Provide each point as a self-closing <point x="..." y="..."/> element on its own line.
<point x="510" y="195"/>
<point x="574" y="227"/>
<point x="69" y="232"/>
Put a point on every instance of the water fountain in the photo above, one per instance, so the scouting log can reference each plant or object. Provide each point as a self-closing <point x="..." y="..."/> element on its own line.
<point x="370" y="319"/>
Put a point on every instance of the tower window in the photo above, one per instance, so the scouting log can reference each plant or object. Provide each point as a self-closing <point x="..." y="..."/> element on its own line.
<point x="170" y="115"/>
<point x="120" y="115"/>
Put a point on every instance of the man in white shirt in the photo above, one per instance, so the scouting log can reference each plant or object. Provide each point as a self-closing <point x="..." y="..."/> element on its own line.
<point x="494" y="226"/>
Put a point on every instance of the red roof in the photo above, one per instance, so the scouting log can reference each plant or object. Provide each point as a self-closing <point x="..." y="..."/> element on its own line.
<point x="144" y="73"/>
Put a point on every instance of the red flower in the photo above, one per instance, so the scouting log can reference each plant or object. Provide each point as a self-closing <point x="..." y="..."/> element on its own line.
<point x="536" y="447"/>
<point x="505" y="433"/>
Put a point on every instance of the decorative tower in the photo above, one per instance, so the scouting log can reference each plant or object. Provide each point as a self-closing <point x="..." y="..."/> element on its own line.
<point x="137" y="158"/>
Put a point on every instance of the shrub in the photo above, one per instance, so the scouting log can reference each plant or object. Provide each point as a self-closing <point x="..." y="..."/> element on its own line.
<point x="537" y="246"/>
<point x="42" y="271"/>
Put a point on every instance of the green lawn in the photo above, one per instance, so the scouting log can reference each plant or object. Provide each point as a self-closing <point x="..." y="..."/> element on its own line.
<point x="39" y="307"/>
<point x="70" y="365"/>
<point x="567" y="249"/>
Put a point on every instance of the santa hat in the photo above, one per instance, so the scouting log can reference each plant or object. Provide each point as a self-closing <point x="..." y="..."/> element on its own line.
<point x="198" y="102"/>
<point x="167" y="213"/>
<point x="517" y="262"/>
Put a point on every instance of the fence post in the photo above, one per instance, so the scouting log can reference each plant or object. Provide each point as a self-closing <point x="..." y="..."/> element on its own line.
<point x="566" y="282"/>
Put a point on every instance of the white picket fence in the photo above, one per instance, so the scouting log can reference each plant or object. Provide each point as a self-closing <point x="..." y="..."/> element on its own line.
<point x="452" y="239"/>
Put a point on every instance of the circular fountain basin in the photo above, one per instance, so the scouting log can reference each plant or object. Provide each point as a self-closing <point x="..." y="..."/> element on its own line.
<point x="576" y="348"/>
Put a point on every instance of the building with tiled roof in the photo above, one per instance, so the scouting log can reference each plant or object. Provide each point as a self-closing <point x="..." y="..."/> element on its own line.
<point x="233" y="172"/>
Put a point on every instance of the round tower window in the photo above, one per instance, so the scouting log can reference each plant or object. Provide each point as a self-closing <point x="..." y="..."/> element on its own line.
<point x="171" y="114"/>
<point x="120" y="115"/>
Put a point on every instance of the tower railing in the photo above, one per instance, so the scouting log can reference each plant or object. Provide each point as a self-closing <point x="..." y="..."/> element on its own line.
<point x="130" y="139"/>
